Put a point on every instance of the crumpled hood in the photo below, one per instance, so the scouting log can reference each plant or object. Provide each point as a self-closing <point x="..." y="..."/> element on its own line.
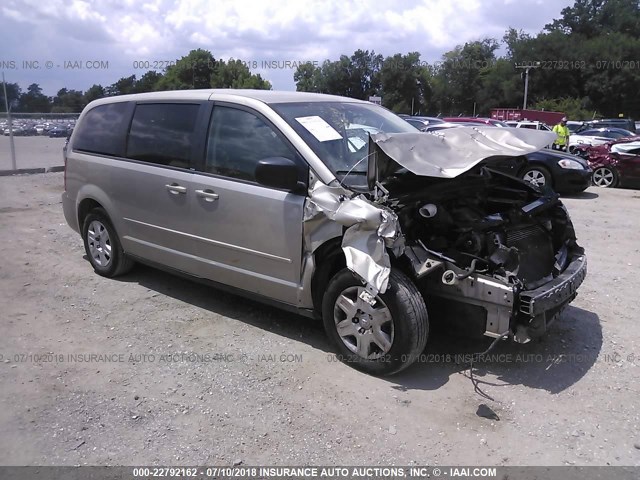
<point x="448" y="153"/>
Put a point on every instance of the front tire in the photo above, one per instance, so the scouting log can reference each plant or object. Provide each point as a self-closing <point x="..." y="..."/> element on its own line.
<point x="538" y="176"/>
<point x="381" y="339"/>
<point x="102" y="245"/>
<point x="605" y="177"/>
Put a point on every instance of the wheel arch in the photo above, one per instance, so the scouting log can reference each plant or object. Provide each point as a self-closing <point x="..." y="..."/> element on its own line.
<point x="90" y="197"/>
<point x="84" y="207"/>
<point x="329" y="259"/>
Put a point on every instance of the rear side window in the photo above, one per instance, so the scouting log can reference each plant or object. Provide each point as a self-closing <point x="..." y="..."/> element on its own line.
<point x="162" y="133"/>
<point x="238" y="140"/>
<point x="102" y="129"/>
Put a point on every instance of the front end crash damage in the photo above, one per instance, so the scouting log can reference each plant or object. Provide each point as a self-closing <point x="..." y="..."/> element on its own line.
<point x="372" y="230"/>
<point x="473" y="237"/>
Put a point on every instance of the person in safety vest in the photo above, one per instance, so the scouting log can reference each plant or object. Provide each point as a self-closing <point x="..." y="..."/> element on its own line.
<point x="562" y="135"/>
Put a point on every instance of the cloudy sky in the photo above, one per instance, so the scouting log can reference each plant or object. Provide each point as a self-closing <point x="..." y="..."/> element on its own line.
<point x="75" y="43"/>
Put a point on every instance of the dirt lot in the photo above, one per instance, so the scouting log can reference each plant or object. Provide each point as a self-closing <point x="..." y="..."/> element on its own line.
<point x="270" y="392"/>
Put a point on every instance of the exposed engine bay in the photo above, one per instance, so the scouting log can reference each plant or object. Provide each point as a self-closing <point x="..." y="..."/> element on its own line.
<point x="485" y="238"/>
<point x="488" y="223"/>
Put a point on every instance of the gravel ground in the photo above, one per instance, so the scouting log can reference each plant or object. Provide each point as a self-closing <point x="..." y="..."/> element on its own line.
<point x="270" y="392"/>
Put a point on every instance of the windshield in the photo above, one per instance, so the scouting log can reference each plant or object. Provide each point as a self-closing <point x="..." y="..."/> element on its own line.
<point x="338" y="132"/>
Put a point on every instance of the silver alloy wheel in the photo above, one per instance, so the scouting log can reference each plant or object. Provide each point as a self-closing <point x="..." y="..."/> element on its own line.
<point x="535" y="177"/>
<point x="99" y="243"/>
<point x="603" y="177"/>
<point x="366" y="330"/>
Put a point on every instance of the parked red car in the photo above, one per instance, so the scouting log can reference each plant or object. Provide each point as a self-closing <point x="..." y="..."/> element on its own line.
<point x="615" y="163"/>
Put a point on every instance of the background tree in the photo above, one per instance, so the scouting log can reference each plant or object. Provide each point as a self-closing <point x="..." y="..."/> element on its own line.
<point x="13" y="96"/>
<point x="94" y="92"/>
<point x="236" y="74"/>
<point x="461" y="73"/>
<point x="401" y="79"/>
<point x="68" y="101"/>
<point x="592" y="18"/>
<point x="308" y="78"/>
<point x="573" y="107"/>
<point x="192" y="71"/>
<point x="33" y="100"/>
<point x="124" y="86"/>
<point x="148" y="82"/>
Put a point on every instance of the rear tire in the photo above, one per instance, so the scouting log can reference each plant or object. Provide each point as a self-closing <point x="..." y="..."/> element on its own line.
<point x="605" y="177"/>
<point x="381" y="339"/>
<point x="102" y="245"/>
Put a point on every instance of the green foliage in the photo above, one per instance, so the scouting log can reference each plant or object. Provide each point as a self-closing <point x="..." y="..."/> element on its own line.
<point x="67" y="101"/>
<point x="308" y="78"/>
<point x="593" y="18"/>
<point x="192" y="71"/>
<point x="401" y="79"/>
<point x="356" y="76"/>
<point x="124" y="86"/>
<point x="33" y="100"/>
<point x="148" y="82"/>
<point x="13" y="96"/>
<point x="95" y="92"/>
<point x="462" y="74"/>
<point x="236" y="74"/>
<point x="574" y="108"/>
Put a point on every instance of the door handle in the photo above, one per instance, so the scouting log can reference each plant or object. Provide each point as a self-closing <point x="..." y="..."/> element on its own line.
<point x="176" y="189"/>
<point x="208" y="195"/>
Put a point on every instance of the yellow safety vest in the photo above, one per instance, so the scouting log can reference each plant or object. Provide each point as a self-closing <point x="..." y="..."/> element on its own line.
<point x="563" y="134"/>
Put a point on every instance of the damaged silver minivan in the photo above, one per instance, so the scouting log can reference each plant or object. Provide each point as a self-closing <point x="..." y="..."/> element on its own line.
<point x="328" y="206"/>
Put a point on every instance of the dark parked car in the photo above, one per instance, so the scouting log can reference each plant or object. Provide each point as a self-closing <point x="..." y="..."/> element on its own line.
<point x="564" y="172"/>
<point x="613" y="133"/>
<point x="58" y="132"/>
<point x="625" y="123"/>
<point x="29" y="130"/>
<point x="616" y="163"/>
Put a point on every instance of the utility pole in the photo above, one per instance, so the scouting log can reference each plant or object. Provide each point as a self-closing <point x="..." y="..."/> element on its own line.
<point x="6" y="105"/>
<point x="526" y="69"/>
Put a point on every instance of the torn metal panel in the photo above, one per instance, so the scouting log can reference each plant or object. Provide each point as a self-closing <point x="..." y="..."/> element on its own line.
<point x="371" y="230"/>
<point x="451" y="152"/>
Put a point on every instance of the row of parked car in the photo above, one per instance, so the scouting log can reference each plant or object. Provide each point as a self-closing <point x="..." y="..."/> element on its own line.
<point x="599" y="152"/>
<point x="51" y="128"/>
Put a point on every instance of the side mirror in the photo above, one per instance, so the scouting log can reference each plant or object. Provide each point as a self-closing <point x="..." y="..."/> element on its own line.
<point x="278" y="172"/>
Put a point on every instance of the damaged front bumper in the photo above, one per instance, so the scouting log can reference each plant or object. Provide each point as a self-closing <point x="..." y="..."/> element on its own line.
<point x="521" y="314"/>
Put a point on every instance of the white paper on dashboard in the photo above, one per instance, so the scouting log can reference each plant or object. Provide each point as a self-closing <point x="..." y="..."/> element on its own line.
<point x="319" y="128"/>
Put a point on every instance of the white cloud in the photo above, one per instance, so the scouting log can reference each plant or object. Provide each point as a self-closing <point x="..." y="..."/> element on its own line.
<point x="121" y="31"/>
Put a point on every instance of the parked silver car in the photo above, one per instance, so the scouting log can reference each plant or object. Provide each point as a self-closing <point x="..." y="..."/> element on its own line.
<point x="328" y="206"/>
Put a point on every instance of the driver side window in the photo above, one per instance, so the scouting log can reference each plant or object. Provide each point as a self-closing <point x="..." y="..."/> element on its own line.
<point x="238" y="140"/>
